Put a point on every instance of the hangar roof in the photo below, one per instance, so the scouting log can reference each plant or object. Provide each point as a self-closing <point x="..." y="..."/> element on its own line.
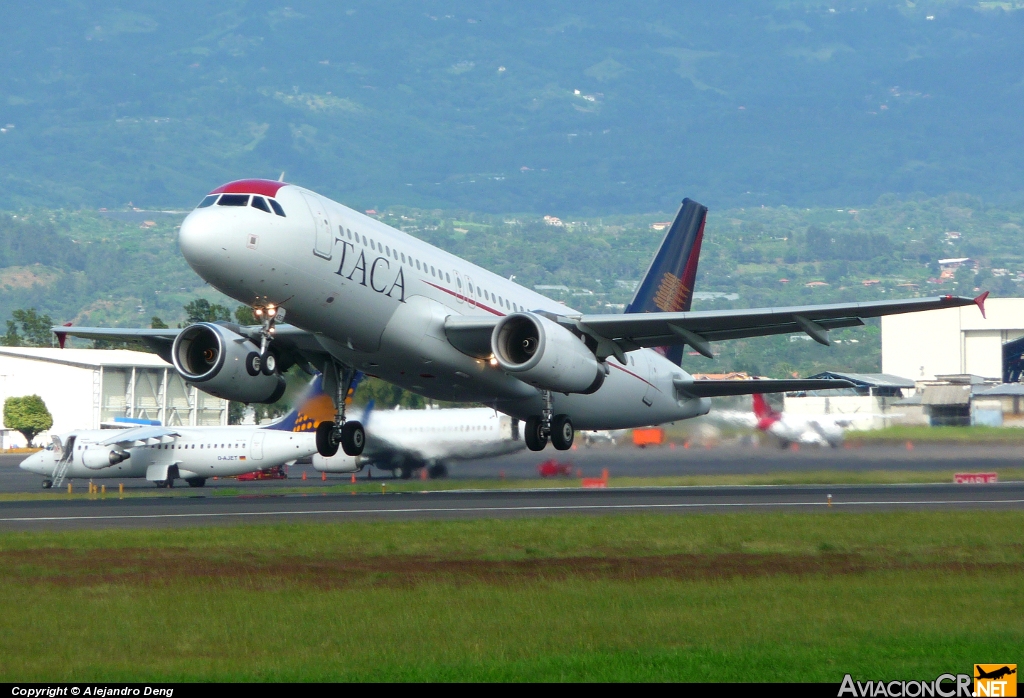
<point x="85" y="358"/>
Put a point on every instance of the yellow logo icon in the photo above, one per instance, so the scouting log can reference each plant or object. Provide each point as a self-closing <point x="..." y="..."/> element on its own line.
<point x="995" y="680"/>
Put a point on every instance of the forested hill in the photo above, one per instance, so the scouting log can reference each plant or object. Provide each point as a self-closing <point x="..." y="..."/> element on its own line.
<point x="559" y="106"/>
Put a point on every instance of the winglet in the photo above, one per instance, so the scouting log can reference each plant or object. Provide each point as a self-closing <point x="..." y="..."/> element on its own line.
<point x="980" y="302"/>
<point x="62" y="336"/>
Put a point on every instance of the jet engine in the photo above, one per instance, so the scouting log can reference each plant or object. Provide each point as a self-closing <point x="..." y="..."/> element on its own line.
<point x="545" y="354"/>
<point x="223" y="363"/>
<point x="338" y="463"/>
<point x="97" y="458"/>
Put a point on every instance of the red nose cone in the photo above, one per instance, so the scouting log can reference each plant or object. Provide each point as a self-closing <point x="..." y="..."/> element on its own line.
<point x="264" y="187"/>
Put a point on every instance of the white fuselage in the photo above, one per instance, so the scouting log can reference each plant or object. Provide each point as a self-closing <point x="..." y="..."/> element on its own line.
<point x="430" y="436"/>
<point x="377" y="300"/>
<point x="199" y="452"/>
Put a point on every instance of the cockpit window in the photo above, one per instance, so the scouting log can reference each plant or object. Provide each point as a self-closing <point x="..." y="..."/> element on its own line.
<point x="234" y="200"/>
<point x="277" y="208"/>
<point x="260" y="203"/>
<point x="208" y="201"/>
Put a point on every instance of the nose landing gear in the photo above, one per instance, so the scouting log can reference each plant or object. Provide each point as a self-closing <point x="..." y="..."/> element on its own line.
<point x="556" y="427"/>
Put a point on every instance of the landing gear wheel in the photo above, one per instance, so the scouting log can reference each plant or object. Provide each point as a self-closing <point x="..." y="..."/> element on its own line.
<point x="269" y="367"/>
<point x="437" y="471"/>
<point x="47" y="483"/>
<point x="253" y="364"/>
<point x="562" y="432"/>
<point x="534" y="435"/>
<point x="196" y="481"/>
<point x="353" y="438"/>
<point x="326" y="444"/>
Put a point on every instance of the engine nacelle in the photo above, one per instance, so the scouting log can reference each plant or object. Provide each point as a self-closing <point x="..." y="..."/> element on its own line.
<point x="97" y="457"/>
<point x="223" y="363"/>
<point x="545" y="354"/>
<point x="338" y="463"/>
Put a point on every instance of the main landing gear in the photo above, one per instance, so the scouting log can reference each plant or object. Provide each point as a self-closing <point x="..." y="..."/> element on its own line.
<point x="349" y="435"/>
<point x="556" y="427"/>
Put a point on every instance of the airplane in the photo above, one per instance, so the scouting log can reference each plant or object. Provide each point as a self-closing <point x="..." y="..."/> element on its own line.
<point x="788" y="428"/>
<point x="360" y="295"/>
<point x="163" y="454"/>
<point x="403" y="441"/>
<point x="995" y="673"/>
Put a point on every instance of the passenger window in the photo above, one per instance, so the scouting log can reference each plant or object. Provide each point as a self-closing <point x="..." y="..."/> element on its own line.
<point x="403" y="258"/>
<point x="448" y="278"/>
<point x="277" y="208"/>
<point x="432" y="272"/>
<point x="389" y="250"/>
<point x="417" y="264"/>
<point x="260" y="203"/>
<point x="208" y="201"/>
<point x="470" y="286"/>
<point x="459" y="281"/>
<point x="234" y="200"/>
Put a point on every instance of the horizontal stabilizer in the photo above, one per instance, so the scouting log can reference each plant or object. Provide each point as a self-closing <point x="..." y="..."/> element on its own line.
<point x="721" y="388"/>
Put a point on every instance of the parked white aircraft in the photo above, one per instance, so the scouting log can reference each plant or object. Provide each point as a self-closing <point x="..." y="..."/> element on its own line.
<point x="821" y="430"/>
<point x="164" y="454"/>
<point x="405" y="440"/>
<point x="361" y="295"/>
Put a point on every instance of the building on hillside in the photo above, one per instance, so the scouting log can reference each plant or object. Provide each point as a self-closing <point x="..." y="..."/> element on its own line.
<point x="923" y="346"/>
<point x="869" y="403"/>
<point x="85" y="388"/>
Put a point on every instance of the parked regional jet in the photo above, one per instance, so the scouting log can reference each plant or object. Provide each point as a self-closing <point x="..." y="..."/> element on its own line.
<point x="404" y="440"/>
<point x="822" y="430"/>
<point x="362" y="296"/>
<point x="163" y="454"/>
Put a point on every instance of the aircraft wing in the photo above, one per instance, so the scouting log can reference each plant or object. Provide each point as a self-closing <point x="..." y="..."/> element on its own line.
<point x="697" y="329"/>
<point x="140" y="436"/>
<point x="616" y="334"/>
<point x="720" y="388"/>
<point x="294" y="345"/>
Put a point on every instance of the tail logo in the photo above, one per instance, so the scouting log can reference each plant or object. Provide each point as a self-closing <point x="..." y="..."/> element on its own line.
<point x="672" y="295"/>
<point x="318" y="408"/>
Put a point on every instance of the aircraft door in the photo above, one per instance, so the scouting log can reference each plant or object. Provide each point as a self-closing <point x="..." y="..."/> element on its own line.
<point x="470" y="292"/>
<point x="460" y="287"/>
<point x="324" y="240"/>
<point x="257" y="445"/>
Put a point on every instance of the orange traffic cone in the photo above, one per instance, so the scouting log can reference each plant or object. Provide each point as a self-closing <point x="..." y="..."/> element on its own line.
<point x="323" y="476"/>
<point x="303" y="474"/>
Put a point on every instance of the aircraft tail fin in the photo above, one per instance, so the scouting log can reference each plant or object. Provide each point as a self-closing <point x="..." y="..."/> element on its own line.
<point x="761" y="407"/>
<point x="312" y="407"/>
<point x="668" y="284"/>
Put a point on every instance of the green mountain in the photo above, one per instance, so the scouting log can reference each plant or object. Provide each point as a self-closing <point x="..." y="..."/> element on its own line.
<point x="562" y="107"/>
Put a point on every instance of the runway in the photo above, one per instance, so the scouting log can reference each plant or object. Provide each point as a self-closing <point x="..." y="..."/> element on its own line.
<point x="730" y="459"/>
<point x="208" y="509"/>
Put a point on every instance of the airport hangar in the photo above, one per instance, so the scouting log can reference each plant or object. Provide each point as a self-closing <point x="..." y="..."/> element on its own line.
<point x="86" y="388"/>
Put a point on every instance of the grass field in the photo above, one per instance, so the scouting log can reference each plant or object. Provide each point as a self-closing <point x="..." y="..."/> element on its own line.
<point x="926" y="434"/>
<point x="749" y="597"/>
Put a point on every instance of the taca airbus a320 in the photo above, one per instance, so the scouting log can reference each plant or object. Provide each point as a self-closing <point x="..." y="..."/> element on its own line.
<point x="362" y="296"/>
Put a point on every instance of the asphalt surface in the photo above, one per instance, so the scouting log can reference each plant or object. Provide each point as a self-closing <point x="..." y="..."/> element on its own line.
<point x="739" y="459"/>
<point x="261" y="501"/>
<point x="207" y="508"/>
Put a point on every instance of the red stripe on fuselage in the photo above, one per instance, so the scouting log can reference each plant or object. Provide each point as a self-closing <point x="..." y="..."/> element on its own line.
<point x="265" y="187"/>
<point x="466" y="298"/>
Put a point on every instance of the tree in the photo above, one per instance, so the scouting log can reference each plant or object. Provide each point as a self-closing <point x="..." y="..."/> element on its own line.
<point x="156" y="323"/>
<point x="244" y="315"/>
<point x="28" y="415"/>
<point x="202" y="310"/>
<point x="35" y="329"/>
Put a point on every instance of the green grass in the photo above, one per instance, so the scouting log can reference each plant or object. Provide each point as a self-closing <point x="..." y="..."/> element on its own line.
<point x="924" y="434"/>
<point x="743" y="597"/>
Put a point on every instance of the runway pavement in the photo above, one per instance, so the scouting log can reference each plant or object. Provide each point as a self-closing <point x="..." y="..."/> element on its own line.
<point x="208" y="508"/>
<point x="629" y="461"/>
